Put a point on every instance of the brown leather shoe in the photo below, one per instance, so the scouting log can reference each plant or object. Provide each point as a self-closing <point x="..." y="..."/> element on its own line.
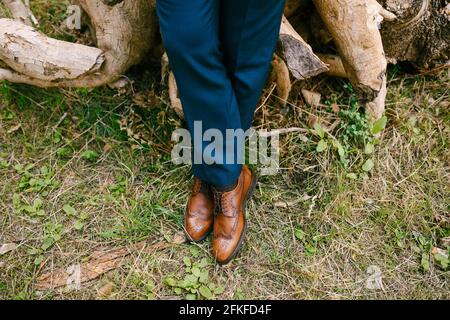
<point x="229" y="223"/>
<point x="199" y="215"/>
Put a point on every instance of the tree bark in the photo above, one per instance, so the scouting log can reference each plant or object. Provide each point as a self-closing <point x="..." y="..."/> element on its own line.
<point x="420" y="35"/>
<point x="123" y="31"/>
<point x="29" y="52"/>
<point x="20" y="10"/>
<point x="354" y="27"/>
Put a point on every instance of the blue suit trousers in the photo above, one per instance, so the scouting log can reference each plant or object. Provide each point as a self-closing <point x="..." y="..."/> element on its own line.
<point x="220" y="52"/>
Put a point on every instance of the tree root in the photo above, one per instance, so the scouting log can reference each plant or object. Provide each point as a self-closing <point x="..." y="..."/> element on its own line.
<point x="20" y="10"/>
<point x="124" y="33"/>
<point x="354" y="25"/>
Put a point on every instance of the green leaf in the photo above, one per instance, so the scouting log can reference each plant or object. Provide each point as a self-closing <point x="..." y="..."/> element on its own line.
<point x="3" y="163"/>
<point x="299" y="234"/>
<point x="90" y="155"/>
<point x="368" y="165"/>
<point x="442" y="260"/>
<point x="33" y="251"/>
<point x="379" y="125"/>
<point x="187" y="262"/>
<point x="84" y="215"/>
<point x="177" y="290"/>
<point x="195" y="251"/>
<point x="318" y="130"/>
<point x="78" y="225"/>
<point x="69" y="210"/>
<point x="310" y="249"/>
<point x="44" y="170"/>
<point x="56" y="237"/>
<point x="63" y="152"/>
<point x="191" y="296"/>
<point x="196" y="271"/>
<point x="203" y="263"/>
<point x="204" y="276"/>
<point x="28" y="209"/>
<point x="171" y="282"/>
<point x="219" y="290"/>
<point x="205" y="292"/>
<point x="38" y="260"/>
<point x="190" y="280"/>
<point x="340" y="149"/>
<point x="57" y="137"/>
<point x="425" y="262"/>
<point x="351" y="176"/>
<point x="412" y="121"/>
<point x="48" y="242"/>
<point x="369" y="148"/>
<point x="321" y="146"/>
<point x="16" y="200"/>
<point x="37" y="203"/>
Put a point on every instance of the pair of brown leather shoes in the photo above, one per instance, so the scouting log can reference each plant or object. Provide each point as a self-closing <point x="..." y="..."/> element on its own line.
<point x="222" y="211"/>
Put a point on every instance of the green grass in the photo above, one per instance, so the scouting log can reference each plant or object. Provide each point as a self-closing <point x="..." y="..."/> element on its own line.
<point x="83" y="169"/>
<point x="314" y="230"/>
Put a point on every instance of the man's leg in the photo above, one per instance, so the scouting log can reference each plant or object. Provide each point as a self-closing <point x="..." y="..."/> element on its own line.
<point x="190" y="32"/>
<point x="249" y="33"/>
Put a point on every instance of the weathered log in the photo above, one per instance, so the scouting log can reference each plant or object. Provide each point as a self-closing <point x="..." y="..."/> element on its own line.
<point x="29" y="52"/>
<point x="420" y="35"/>
<point x="20" y="10"/>
<point x="280" y="73"/>
<point x="335" y="66"/>
<point x="300" y="59"/>
<point x="354" y="27"/>
<point x="123" y="31"/>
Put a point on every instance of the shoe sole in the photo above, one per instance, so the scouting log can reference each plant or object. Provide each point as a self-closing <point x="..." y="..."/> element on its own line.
<point x="250" y="192"/>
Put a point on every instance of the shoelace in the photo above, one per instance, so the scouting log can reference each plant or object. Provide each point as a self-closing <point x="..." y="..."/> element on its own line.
<point x="221" y="202"/>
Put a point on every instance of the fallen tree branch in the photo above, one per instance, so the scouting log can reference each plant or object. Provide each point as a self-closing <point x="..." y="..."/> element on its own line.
<point x="335" y="66"/>
<point x="280" y="73"/>
<point x="300" y="59"/>
<point x="124" y="32"/>
<point x="20" y="10"/>
<point x="31" y="53"/>
<point x="354" y="25"/>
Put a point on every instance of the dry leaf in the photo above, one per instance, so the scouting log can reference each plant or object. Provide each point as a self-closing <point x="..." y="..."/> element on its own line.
<point x="335" y="108"/>
<point x="179" y="238"/>
<point x="445" y="241"/>
<point x="312" y="120"/>
<point x="311" y="98"/>
<point x="7" y="247"/>
<point x="14" y="128"/>
<point x="105" y="291"/>
<point x="140" y="98"/>
<point x="280" y="204"/>
<point x="435" y="251"/>
<point x="101" y="261"/>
